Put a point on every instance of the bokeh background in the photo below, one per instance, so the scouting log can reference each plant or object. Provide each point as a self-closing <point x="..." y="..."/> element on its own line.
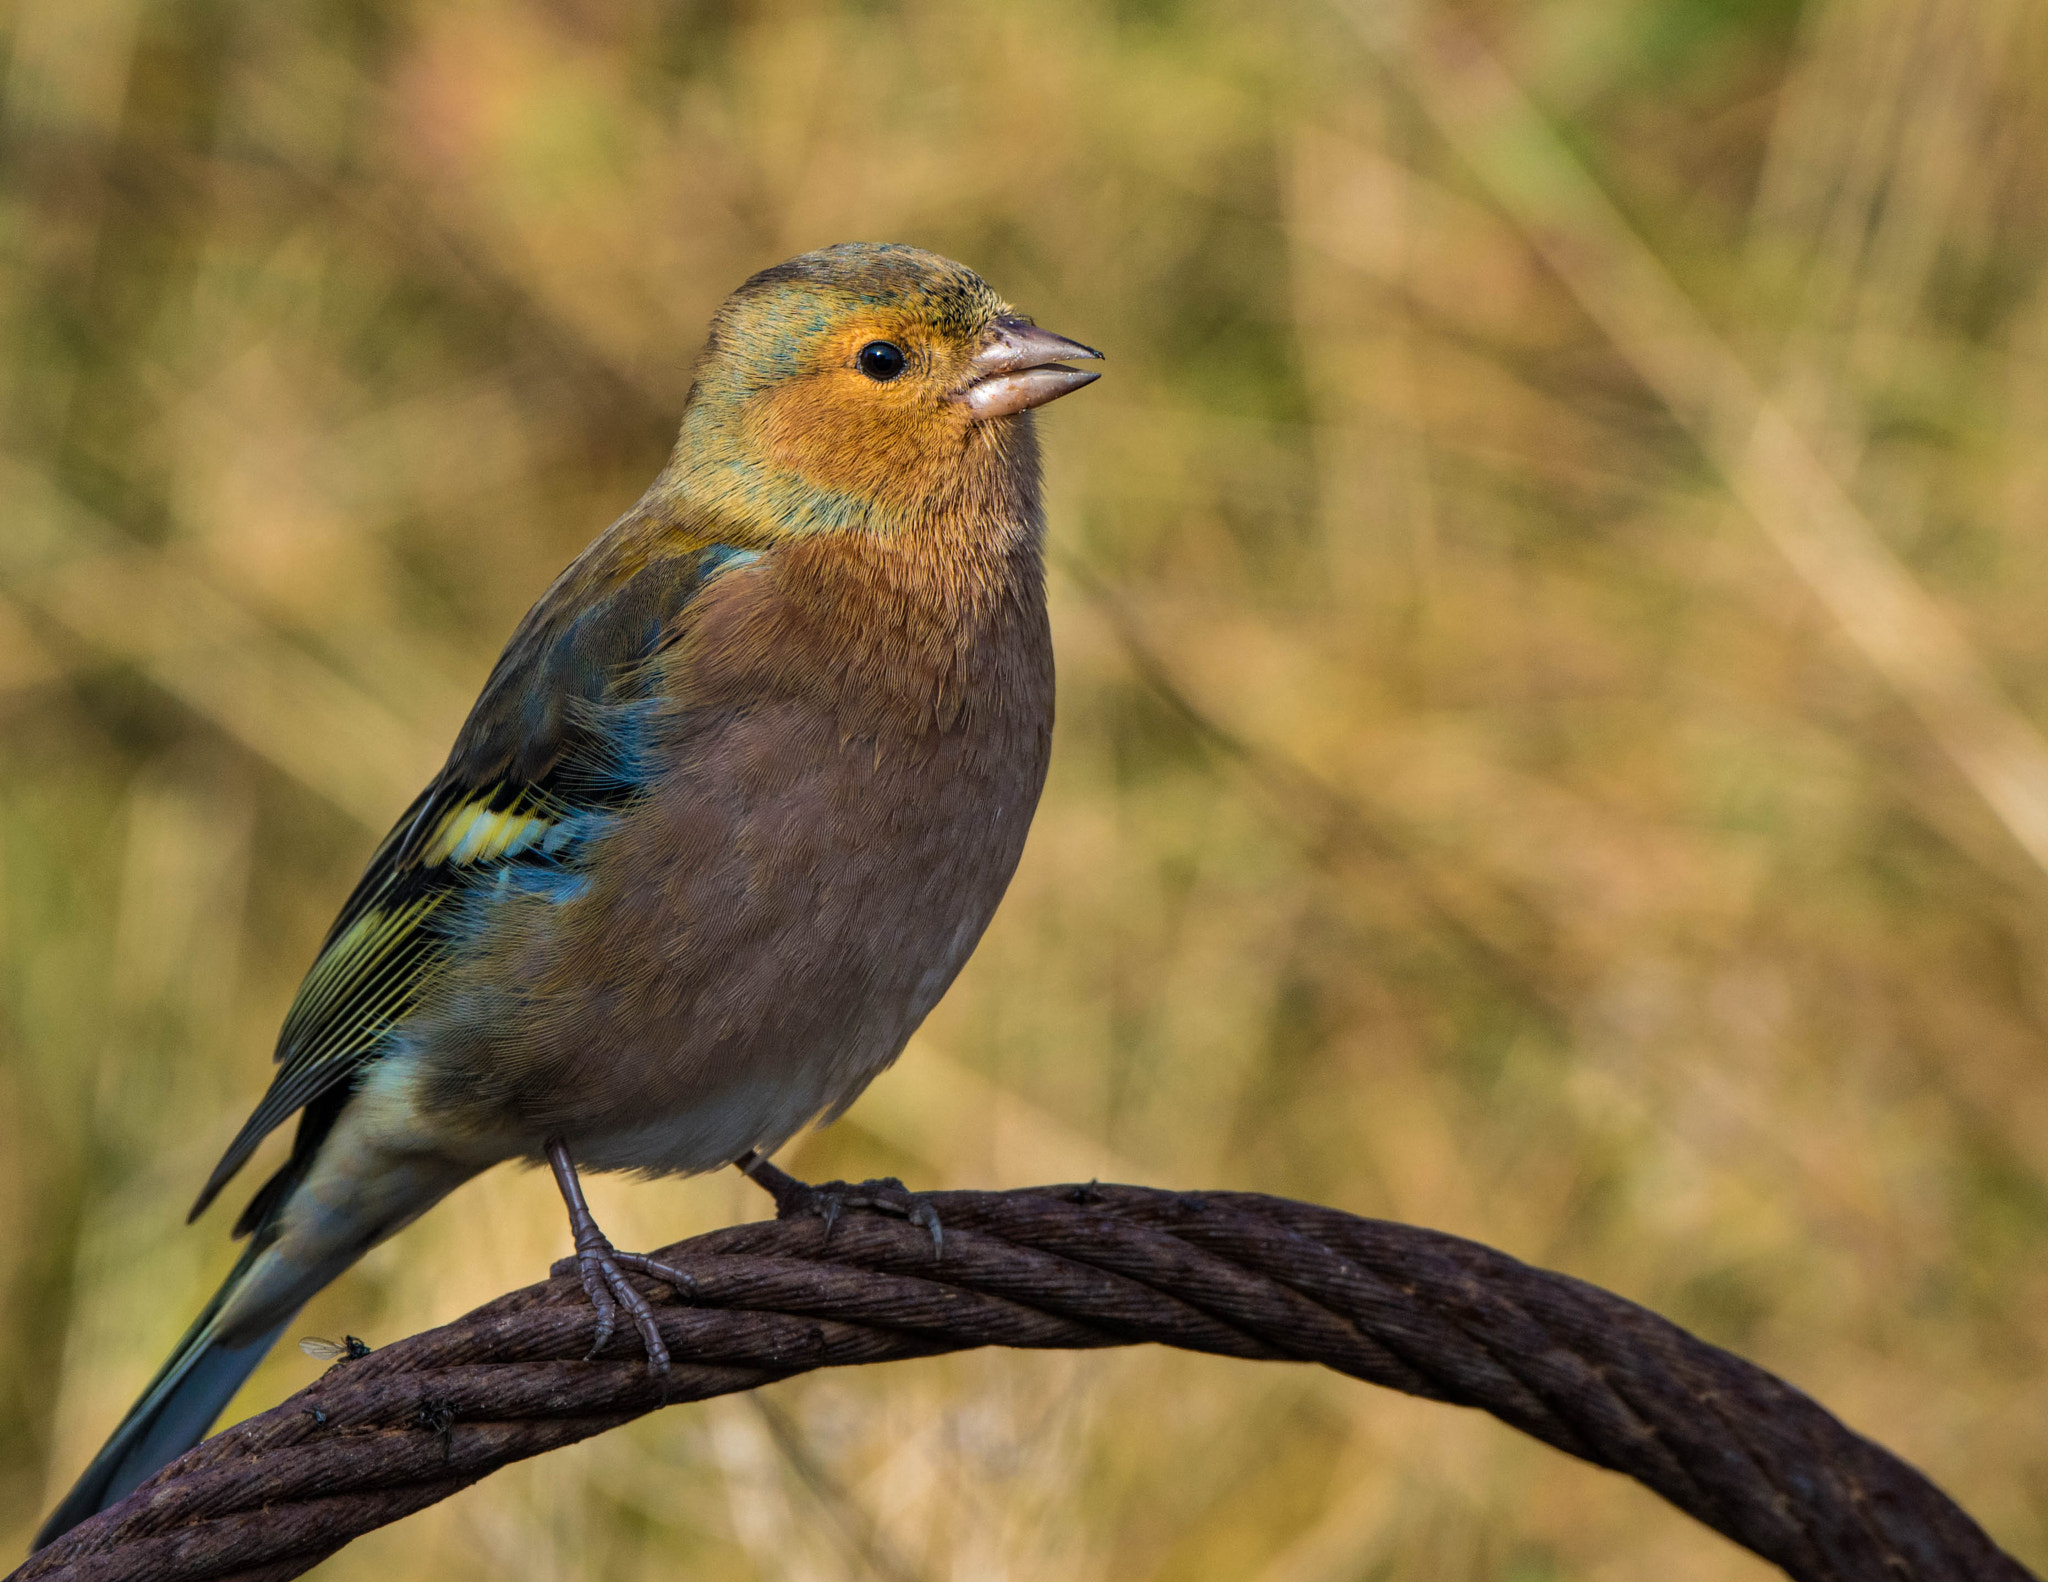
<point x="1550" y="601"/>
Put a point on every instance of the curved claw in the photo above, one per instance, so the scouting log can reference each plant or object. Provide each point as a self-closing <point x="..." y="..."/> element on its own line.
<point x="924" y="1214"/>
<point x="590" y="1269"/>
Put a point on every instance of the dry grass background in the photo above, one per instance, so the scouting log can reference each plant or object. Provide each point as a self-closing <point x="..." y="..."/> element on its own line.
<point x="1549" y="600"/>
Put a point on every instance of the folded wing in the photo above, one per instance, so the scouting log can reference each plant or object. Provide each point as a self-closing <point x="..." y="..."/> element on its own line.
<point x="550" y="754"/>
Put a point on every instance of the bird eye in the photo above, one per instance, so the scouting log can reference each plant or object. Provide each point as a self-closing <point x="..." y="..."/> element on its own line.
<point x="881" y="361"/>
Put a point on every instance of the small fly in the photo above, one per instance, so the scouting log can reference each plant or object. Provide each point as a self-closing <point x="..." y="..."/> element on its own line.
<point x="346" y="1349"/>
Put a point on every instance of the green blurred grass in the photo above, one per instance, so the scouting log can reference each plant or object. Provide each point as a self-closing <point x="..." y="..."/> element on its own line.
<point x="1460" y="811"/>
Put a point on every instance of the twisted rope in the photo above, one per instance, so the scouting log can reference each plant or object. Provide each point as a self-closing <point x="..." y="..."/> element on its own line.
<point x="1235" y="1274"/>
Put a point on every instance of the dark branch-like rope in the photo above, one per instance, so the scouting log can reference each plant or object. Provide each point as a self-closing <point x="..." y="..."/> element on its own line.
<point x="1230" y="1273"/>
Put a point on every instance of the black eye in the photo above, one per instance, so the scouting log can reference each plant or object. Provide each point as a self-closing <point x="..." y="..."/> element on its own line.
<point x="881" y="361"/>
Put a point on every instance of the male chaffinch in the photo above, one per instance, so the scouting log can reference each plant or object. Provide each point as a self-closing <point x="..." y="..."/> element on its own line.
<point x="733" y="808"/>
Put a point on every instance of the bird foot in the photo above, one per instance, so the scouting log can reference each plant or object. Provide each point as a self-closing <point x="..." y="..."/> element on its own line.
<point x="828" y="1200"/>
<point x="602" y="1269"/>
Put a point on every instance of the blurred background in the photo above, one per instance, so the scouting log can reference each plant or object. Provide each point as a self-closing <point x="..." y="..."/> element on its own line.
<point x="1550" y="601"/>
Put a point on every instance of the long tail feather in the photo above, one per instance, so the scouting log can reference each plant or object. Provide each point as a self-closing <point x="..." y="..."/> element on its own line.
<point x="358" y="1189"/>
<point x="174" y="1412"/>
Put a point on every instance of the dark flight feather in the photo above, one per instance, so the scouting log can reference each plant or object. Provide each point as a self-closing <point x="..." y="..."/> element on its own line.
<point x="544" y="755"/>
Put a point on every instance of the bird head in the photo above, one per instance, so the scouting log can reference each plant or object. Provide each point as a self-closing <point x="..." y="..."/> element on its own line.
<point x="855" y="384"/>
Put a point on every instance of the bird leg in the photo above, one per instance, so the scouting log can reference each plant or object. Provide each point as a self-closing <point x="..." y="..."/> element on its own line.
<point x="601" y="1267"/>
<point x="829" y="1199"/>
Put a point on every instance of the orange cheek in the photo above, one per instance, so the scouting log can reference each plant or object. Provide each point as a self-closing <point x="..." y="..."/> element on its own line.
<point x="855" y="439"/>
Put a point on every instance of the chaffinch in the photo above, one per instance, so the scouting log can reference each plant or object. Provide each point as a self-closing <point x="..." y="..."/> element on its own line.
<point x="733" y="808"/>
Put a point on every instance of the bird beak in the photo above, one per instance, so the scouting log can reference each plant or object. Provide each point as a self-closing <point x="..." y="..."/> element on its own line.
<point x="1019" y="367"/>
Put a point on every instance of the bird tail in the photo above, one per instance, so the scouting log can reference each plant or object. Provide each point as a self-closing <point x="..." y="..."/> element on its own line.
<point x="179" y="1405"/>
<point x="345" y="1188"/>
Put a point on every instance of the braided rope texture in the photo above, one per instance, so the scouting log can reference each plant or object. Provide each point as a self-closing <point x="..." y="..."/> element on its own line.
<point x="1236" y="1274"/>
